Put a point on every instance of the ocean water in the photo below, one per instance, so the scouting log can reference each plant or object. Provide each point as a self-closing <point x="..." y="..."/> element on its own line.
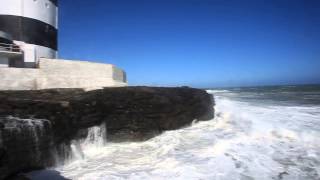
<point x="258" y="133"/>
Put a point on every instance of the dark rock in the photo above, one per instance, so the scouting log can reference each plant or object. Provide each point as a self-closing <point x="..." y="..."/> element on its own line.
<point x="39" y="175"/>
<point x="35" y="125"/>
<point x="25" y="144"/>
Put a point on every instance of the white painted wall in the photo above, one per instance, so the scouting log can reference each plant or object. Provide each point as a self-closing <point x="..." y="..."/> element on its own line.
<point x="42" y="10"/>
<point x="11" y="7"/>
<point x="44" y="52"/>
<point x="32" y="53"/>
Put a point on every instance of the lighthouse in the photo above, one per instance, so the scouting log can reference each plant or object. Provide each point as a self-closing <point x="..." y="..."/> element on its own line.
<point x="28" y="52"/>
<point x="28" y="32"/>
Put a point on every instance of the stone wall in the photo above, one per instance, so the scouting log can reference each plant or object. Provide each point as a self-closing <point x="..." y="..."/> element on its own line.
<point x="53" y="73"/>
<point x="18" y="79"/>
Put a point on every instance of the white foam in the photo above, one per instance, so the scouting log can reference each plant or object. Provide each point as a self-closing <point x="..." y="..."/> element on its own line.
<point x="210" y="91"/>
<point x="244" y="141"/>
<point x="90" y="146"/>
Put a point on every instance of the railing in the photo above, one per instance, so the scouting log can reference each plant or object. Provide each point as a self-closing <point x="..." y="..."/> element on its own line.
<point x="9" y="47"/>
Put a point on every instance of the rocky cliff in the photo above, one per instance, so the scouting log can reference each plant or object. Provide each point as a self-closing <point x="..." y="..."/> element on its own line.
<point x="36" y="127"/>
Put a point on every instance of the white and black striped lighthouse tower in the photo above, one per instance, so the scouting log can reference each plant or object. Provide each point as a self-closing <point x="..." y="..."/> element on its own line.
<point x="30" y="25"/>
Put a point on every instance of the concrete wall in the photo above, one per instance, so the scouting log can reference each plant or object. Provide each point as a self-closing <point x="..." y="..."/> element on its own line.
<point x="18" y="79"/>
<point x="53" y="73"/>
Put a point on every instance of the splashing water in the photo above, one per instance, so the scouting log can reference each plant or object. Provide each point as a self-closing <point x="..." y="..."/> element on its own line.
<point x="245" y="141"/>
<point x="95" y="140"/>
<point x="96" y="137"/>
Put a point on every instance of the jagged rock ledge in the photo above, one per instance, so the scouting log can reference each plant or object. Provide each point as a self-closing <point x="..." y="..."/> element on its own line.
<point x="36" y="127"/>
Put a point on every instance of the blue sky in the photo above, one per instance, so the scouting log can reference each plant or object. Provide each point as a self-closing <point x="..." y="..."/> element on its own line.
<point x="200" y="43"/>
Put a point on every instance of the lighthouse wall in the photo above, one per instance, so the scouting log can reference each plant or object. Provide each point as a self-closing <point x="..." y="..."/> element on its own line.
<point x="33" y="24"/>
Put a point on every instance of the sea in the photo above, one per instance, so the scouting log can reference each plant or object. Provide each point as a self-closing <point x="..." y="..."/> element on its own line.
<point x="258" y="133"/>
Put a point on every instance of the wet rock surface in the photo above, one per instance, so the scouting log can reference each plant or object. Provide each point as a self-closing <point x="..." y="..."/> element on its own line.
<point x="36" y="127"/>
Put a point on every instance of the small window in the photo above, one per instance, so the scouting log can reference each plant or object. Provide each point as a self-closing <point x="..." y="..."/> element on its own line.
<point x="47" y="5"/>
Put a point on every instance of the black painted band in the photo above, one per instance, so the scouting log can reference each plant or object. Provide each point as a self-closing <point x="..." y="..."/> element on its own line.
<point x="5" y="41"/>
<point x="55" y="2"/>
<point x="29" y="30"/>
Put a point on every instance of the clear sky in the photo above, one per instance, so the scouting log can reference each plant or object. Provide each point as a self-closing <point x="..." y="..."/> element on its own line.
<point x="200" y="43"/>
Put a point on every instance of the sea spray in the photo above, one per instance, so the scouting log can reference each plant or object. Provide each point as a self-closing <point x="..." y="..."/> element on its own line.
<point x="95" y="139"/>
<point x="77" y="152"/>
<point x="97" y="136"/>
<point x="246" y="140"/>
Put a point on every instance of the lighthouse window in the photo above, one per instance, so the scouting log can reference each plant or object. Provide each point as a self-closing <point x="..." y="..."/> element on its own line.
<point x="47" y="5"/>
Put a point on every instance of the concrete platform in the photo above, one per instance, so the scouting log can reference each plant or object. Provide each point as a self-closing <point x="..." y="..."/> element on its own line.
<point x="58" y="73"/>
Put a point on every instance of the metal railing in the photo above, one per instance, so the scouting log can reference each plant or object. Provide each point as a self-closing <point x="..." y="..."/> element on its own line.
<point x="9" y="47"/>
